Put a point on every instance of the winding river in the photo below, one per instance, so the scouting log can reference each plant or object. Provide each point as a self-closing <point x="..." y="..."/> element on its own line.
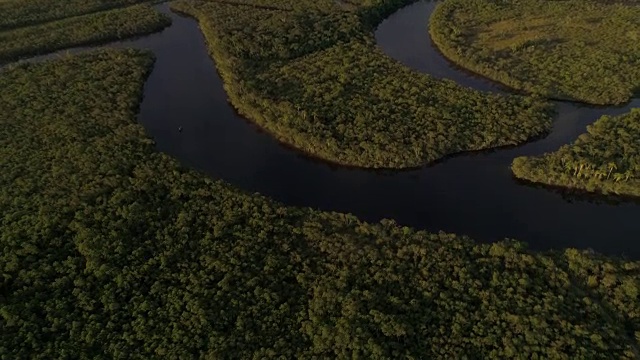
<point x="471" y="194"/>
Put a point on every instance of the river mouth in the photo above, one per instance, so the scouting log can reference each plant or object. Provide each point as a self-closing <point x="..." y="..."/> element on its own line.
<point x="471" y="194"/>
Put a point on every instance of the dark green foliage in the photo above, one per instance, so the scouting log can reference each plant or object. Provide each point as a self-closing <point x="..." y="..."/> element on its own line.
<point x="606" y="159"/>
<point x="586" y="50"/>
<point x="287" y="5"/>
<point x="111" y="250"/>
<point x="19" y="13"/>
<point x="316" y="80"/>
<point x="82" y="30"/>
<point x="615" y="283"/>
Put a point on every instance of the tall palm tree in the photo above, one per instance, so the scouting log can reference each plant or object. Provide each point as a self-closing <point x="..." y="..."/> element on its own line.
<point x="627" y="175"/>
<point x="612" y="166"/>
<point x="580" y="170"/>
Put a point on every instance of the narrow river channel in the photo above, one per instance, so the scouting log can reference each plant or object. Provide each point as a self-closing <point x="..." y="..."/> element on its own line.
<point x="472" y="194"/>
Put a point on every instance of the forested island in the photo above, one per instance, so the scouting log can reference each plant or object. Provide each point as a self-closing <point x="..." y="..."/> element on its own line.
<point x="110" y="249"/>
<point x="310" y="73"/>
<point x="584" y="50"/>
<point x="606" y="159"/>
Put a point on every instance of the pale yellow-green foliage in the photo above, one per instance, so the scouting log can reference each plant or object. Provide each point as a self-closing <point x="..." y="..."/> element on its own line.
<point x="575" y="49"/>
<point x="606" y="159"/>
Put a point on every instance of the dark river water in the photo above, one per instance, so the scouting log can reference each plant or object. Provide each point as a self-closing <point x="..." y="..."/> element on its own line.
<point x="473" y="194"/>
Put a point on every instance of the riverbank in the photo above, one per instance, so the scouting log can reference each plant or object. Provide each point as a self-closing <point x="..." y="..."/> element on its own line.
<point x="335" y="96"/>
<point x="604" y="160"/>
<point x="471" y="193"/>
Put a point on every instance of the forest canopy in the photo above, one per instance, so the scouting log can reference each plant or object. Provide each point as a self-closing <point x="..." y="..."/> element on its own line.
<point x="40" y="27"/>
<point x="606" y="159"/>
<point x="587" y="50"/>
<point x="88" y="29"/>
<point x="310" y="73"/>
<point x="112" y="250"/>
<point x="20" y="13"/>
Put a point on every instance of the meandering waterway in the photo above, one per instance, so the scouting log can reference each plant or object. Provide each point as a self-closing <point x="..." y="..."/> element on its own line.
<point x="472" y="194"/>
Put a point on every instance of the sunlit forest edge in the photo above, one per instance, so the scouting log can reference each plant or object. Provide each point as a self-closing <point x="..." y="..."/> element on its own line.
<point x="606" y="159"/>
<point x="310" y="73"/>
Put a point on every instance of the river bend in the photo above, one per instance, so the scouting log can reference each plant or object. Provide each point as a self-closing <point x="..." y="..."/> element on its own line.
<point x="472" y="194"/>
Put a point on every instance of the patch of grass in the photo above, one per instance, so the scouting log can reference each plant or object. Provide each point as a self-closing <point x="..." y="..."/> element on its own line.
<point x="577" y="49"/>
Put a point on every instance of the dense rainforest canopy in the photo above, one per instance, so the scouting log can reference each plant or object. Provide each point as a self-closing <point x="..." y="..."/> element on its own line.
<point x="606" y="159"/>
<point x="111" y="250"/>
<point x="310" y="73"/>
<point x="20" y="13"/>
<point x="32" y="27"/>
<point x="588" y="50"/>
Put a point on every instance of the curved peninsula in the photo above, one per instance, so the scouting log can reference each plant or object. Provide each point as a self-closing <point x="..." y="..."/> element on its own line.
<point x="315" y="79"/>
<point x="606" y="159"/>
<point x="572" y="50"/>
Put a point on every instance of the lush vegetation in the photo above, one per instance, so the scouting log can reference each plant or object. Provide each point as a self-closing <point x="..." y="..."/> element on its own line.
<point x="606" y="159"/>
<point x="587" y="50"/>
<point x="82" y="30"/>
<point x="310" y="73"/>
<point x="111" y="250"/>
<point x="19" y="13"/>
